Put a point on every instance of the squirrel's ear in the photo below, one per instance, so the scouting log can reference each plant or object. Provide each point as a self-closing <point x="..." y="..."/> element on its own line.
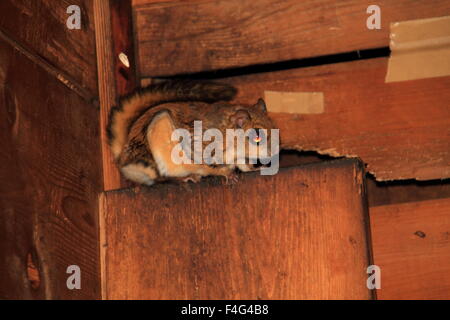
<point x="239" y="118"/>
<point x="261" y="105"/>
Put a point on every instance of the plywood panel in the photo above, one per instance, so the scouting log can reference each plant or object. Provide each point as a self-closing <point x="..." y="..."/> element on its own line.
<point x="411" y="244"/>
<point x="49" y="180"/>
<point x="176" y="37"/>
<point x="40" y="26"/>
<point x="400" y="130"/>
<point x="300" y="234"/>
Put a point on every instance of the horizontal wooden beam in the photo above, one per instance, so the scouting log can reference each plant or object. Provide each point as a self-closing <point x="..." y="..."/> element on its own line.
<point x="300" y="234"/>
<point x="400" y="130"/>
<point x="177" y="36"/>
<point x="116" y="71"/>
<point x="411" y="245"/>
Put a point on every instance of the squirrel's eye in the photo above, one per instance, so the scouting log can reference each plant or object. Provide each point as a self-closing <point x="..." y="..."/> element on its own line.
<point x="257" y="136"/>
<point x="257" y="139"/>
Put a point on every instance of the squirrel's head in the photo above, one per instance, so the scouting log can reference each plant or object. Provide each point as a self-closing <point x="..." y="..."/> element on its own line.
<point x="250" y="123"/>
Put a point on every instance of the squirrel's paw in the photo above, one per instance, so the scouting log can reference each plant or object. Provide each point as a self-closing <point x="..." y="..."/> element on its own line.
<point x="231" y="178"/>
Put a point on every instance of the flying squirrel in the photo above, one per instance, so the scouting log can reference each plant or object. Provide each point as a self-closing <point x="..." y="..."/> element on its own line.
<point x="140" y="128"/>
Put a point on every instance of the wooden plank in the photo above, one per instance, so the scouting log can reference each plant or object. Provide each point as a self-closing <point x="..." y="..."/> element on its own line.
<point x="176" y="37"/>
<point x="49" y="181"/>
<point x="411" y="244"/>
<point x="400" y="130"/>
<point x="43" y="31"/>
<point x="300" y="234"/>
<point x="106" y="87"/>
<point x="113" y="36"/>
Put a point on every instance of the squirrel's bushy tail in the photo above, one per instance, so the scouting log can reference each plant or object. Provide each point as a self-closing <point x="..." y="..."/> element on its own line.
<point x="131" y="107"/>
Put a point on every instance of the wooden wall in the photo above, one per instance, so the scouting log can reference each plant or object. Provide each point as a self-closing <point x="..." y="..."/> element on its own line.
<point x="391" y="127"/>
<point x="40" y="26"/>
<point x="50" y="173"/>
<point x="411" y="243"/>
<point x="53" y="80"/>
<point x="177" y="36"/>
<point x="400" y="130"/>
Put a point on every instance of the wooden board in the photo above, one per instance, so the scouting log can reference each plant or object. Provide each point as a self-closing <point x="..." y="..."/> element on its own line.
<point x="113" y="27"/>
<point x="400" y="130"/>
<point x="40" y="26"/>
<point x="49" y="180"/>
<point x="411" y="244"/>
<point x="300" y="234"/>
<point x="176" y="37"/>
<point x="122" y="36"/>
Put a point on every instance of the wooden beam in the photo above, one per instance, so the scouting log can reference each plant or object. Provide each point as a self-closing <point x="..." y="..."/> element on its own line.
<point x="400" y="130"/>
<point x="116" y="78"/>
<point x="178" y="36"/>
<point x="300" y="234"/>
<point x="411" y="244"/>
<point x="123" y="46"/>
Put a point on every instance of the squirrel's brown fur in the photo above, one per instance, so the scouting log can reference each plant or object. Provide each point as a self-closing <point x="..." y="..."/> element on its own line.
<point x="139" y="128"/>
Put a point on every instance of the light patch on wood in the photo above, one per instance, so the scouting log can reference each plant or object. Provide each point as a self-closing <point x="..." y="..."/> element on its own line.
<point x="420" y="49"/>
<point x="124" y="59"/>
<point x="295" y="102"/>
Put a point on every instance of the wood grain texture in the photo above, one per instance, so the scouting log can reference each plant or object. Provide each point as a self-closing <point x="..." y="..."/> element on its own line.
<point x="40" y="26"/>
<point x="113" y="36"/>
<point x="300" y="234"/>
<point x="176" y="37"/>
<point x="400" y="130"/>
<point x="106" y="87"/>
<point x="49" y="180"/>
<point x="411" y="244"/>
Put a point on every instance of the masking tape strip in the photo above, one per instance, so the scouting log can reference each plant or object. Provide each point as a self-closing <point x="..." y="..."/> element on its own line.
<point x="295" y="102"/>
<point x="419" y="49"/>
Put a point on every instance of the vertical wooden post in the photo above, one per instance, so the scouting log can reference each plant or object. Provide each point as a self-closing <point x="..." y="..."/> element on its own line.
<point x="124" y="56"/>
<point x="116" y="70"/>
